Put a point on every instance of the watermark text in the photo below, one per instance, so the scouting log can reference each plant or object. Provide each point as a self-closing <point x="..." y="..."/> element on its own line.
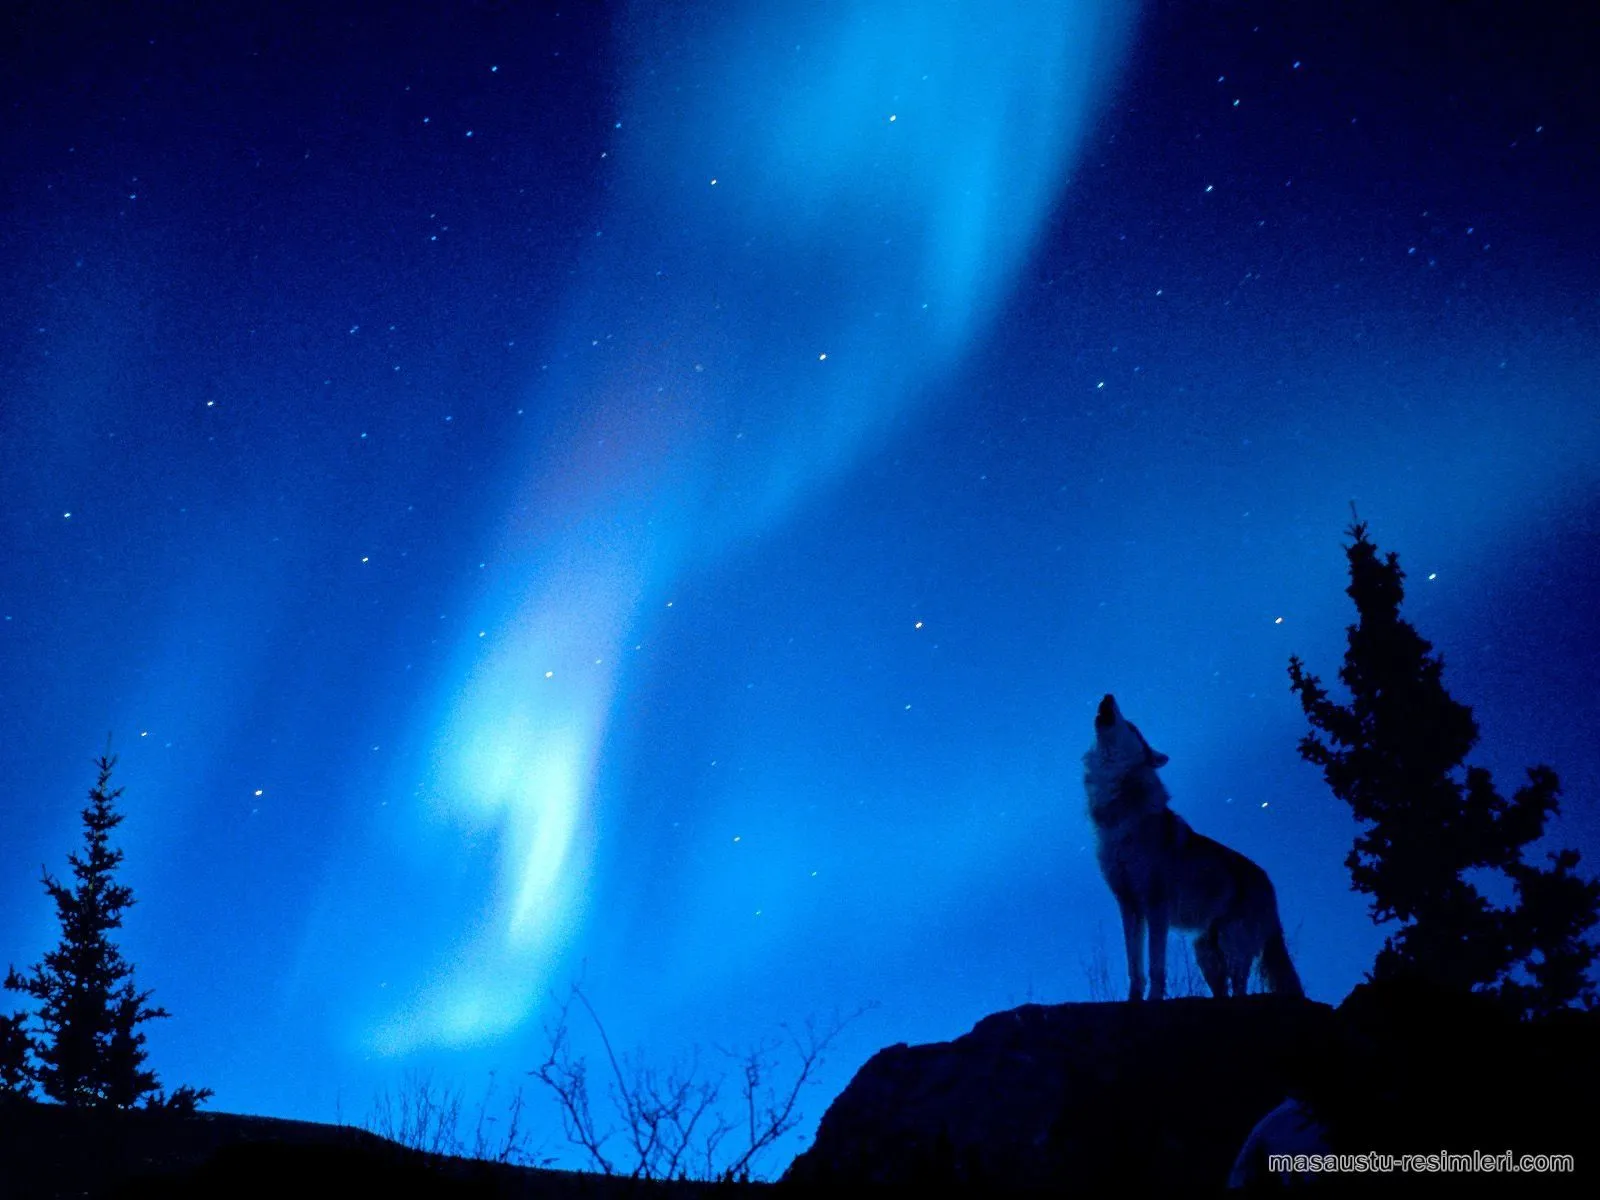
<point x="1441" y="1162"/>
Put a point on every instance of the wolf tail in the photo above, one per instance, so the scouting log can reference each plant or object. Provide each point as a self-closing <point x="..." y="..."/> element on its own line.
<point x="1277" y="970"/>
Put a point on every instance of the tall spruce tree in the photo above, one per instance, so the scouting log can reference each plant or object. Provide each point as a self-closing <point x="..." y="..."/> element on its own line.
<point x="1395" y="755"/>
<point x="87" y="1048"/>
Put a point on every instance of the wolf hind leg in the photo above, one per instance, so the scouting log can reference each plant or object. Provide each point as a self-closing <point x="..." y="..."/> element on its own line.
<point x="1133" y="930"/>
<point x="1239" y="977"/>
<point x="1208" y="953"/>
<point x="1277" y="970"/>
<point x="1239" y="949"/>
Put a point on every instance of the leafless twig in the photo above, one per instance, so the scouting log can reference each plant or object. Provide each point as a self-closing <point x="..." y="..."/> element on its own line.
<point x="567" y="1078"/>
<point x="1097" y="967"/>
<point x="771" y="1112"/>
<point x="424" y="1116"/>
<point x="511" y="1145"/>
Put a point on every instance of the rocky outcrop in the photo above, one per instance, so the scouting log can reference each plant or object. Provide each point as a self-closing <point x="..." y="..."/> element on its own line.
<point x="1070" y="1098"/>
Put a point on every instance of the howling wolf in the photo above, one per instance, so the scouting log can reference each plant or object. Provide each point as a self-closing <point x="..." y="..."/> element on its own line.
<point x="1165" y="874"/>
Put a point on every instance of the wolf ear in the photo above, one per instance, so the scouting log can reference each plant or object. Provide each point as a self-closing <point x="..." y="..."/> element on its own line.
<point x="1158" y="759"/>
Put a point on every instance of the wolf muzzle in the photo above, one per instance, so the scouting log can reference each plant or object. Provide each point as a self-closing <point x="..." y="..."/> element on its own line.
<point x="1106" y="715"/>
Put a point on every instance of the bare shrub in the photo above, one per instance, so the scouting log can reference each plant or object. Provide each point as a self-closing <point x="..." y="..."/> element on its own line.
<point x="671" y="1123"/>
<point x="427" y="1116"/>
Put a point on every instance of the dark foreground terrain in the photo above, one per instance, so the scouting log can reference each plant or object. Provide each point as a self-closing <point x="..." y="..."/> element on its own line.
<point x="49" y="1152"/>
<point x="1080" y="1100"/>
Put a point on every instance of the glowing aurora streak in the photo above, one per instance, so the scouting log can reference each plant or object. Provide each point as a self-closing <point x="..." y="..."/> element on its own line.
<point x="838" y="196"/>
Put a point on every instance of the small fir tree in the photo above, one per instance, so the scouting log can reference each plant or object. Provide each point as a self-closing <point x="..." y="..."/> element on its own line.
<point x="87" y="1048"/>
<point x="1394" y="754"/>
<point x="15" y="1078"/>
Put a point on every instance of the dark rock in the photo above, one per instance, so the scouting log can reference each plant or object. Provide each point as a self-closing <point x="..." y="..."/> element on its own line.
<point x="1070" y="1098"/>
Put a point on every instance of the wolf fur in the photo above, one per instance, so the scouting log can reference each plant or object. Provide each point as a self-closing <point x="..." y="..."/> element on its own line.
<point x="1165" y="875"/>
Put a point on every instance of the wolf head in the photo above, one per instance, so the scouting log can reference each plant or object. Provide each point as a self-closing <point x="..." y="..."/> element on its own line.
<point x="1119" y="747"/>
<point x="1119" y="771"/>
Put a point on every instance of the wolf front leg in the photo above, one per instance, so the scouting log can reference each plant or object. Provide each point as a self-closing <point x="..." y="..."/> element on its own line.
<point x="1157" y="918"/>
<point x="1133" y="943"/>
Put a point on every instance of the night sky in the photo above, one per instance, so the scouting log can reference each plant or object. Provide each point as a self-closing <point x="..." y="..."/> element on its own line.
<point x="656" y="493"/>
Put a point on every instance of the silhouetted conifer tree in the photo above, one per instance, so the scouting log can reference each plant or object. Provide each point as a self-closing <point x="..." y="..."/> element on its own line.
<point x="1394" y="755"/>
<point x="15" y="1079"/>
<point x="88" y="1049"/>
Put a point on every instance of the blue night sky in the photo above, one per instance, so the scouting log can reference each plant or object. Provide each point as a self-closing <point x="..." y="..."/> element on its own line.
<point x="657" y="492"/>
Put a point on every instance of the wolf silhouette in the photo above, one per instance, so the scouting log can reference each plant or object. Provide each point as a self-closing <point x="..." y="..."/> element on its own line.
<point x="1165" y="875"/>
